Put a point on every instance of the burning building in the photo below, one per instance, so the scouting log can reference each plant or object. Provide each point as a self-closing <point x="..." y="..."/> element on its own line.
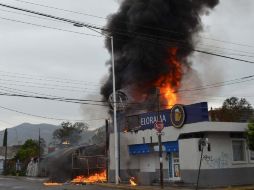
<point x="226" y="159"/>
<point x="153" y="41"/>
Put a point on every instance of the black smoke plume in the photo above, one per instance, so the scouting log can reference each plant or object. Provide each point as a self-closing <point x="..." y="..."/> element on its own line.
<point x="144" y="32"/>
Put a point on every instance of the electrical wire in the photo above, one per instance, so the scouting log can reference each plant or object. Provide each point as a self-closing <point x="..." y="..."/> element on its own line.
<point x="148" y="27"/>
<point x="95" y="27"/>
<point x="44" y="117"/>
<point x="207" y="86"/>
<point x="44" y="78"/>
<point x="48" y="85"/>
<point x="49" y="27"/>
<point x="103" y="29"/>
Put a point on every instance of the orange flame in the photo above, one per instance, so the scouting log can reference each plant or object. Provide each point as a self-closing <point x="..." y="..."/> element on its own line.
<point x="170" y="82"/>
<point x="132" y="181"/>
<point x="98" y="177"/>
<point x="52" y="184"/>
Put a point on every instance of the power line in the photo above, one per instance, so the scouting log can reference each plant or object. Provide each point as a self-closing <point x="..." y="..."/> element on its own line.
<point x="90" y="26"/>
<point x="44" y="78"/>
<point x="52" y="88"/>
<point x="49" y="27"/>
<point x="213" y="85"/>
<point x="48" y="85"/>
<point x="60" y="9"/>
<point x="41" y="79"/>
<point x="44" y="117"/>
<point x="216" y="85"/>
<point x="31" y="16"/>
<point x="103" y="29"/>
<point x="67" y="100"/>
<point x="153" y="28"/>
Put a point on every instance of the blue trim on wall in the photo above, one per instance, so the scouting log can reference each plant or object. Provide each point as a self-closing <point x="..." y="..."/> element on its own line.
<point x="170" y="146"/>
<point x="139" y="149"/>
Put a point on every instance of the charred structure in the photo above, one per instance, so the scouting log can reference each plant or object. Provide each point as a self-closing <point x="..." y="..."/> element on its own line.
<point x="67" y="163"/>
<point x="152" y="42"/>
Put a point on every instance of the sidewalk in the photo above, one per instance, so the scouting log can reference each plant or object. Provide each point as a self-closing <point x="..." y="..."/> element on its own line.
<point x="127" y="187"/>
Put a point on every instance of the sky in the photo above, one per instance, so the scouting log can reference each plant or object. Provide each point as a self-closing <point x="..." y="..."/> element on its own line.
<point x="48" y="61"/>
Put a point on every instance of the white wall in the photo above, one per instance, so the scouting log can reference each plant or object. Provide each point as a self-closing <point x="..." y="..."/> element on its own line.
<point x="189" y="154"/>
<point x="221" y="154"/>
<point x="219" y="157"/>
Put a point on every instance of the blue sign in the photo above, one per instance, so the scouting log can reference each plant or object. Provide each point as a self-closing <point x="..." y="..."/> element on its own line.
<point x="193" y="113"/>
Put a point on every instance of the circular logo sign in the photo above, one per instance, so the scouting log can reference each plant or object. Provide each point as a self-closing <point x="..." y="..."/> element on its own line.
<point x="158" y="126"/>
<point x="121" y="100"/>
<point x="177" y="116"/>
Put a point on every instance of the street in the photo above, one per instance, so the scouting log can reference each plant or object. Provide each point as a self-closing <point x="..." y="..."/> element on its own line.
<point x="23" y="183"/>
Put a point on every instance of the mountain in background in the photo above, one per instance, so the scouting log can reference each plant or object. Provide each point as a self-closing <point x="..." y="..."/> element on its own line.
<point x="19" y="134"/>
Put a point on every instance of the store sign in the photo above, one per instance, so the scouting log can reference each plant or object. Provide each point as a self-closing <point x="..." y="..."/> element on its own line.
<point x="177" y="116"/>
<point x="147" y="120"/>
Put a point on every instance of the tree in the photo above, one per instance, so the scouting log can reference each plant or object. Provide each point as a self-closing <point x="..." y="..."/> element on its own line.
<point x="233" y="110"/>
<point x="250" y="135"/>
<point x="69" y="133"/>
<point x="28" y="150"/>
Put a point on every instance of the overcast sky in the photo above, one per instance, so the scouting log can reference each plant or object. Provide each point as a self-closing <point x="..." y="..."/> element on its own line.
<point x="74" y="64"/>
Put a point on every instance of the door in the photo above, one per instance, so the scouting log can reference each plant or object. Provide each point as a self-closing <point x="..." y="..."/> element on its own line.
<point x="174" y="166"/>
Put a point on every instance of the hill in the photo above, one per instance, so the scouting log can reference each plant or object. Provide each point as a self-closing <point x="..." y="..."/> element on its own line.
<point x="19" y="134"/>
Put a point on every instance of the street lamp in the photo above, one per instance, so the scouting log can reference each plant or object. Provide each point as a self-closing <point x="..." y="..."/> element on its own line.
<point x="114" y="98"/>
<point x="114" y="108"/>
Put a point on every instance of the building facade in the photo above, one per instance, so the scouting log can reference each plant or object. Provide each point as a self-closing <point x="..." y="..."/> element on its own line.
<point x="226" y="158"/>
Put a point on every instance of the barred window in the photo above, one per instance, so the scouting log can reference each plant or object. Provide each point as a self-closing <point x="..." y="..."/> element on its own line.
<point x="238" y="150"/>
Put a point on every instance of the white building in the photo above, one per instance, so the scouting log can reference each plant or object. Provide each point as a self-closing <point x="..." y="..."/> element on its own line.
<point x="226" y="159"/>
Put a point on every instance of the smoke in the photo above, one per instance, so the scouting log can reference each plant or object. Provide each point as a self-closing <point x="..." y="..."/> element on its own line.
<point x="150" y="36"/>
<point x="65" y="164"/>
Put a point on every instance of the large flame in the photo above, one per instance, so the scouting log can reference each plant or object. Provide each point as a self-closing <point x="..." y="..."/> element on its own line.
<point x="170" y="82"/>
<point x="98" y="177"/>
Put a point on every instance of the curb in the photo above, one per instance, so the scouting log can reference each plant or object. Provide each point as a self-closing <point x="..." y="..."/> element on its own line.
<point x="124" y="187"/>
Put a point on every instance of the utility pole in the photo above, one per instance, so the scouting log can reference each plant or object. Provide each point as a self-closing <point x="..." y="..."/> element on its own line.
<point x="5" y="155"/>
<point x="107" y="146"/>
<point x="159" y="141"/>
<point x="115" y="121"/>
<point x="202" y="143"/>
<point x="39" y="156"/>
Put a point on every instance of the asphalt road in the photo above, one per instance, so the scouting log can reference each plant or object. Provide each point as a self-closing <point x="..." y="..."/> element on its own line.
<point x="22" y="183"/>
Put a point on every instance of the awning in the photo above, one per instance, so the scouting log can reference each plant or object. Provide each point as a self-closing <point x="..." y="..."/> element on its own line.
<point x="139" y="149"/>
<point x="171" y="146"/>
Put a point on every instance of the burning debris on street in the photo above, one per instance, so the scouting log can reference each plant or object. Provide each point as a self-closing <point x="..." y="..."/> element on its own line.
<point x="152" y="42"/>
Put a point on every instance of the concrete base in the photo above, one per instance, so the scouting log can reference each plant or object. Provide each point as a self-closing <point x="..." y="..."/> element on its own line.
<point x="219" y="177"/>
<point x="208" y="178"/>
<point x="143" y="178"/>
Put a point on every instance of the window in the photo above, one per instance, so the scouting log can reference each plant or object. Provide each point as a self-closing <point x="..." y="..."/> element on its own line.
<point x="238" y="150"/>
<point x="251" y="155"/>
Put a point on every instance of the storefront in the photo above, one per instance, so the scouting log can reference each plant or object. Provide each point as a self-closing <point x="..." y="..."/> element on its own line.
<point x="226" y="159"/>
